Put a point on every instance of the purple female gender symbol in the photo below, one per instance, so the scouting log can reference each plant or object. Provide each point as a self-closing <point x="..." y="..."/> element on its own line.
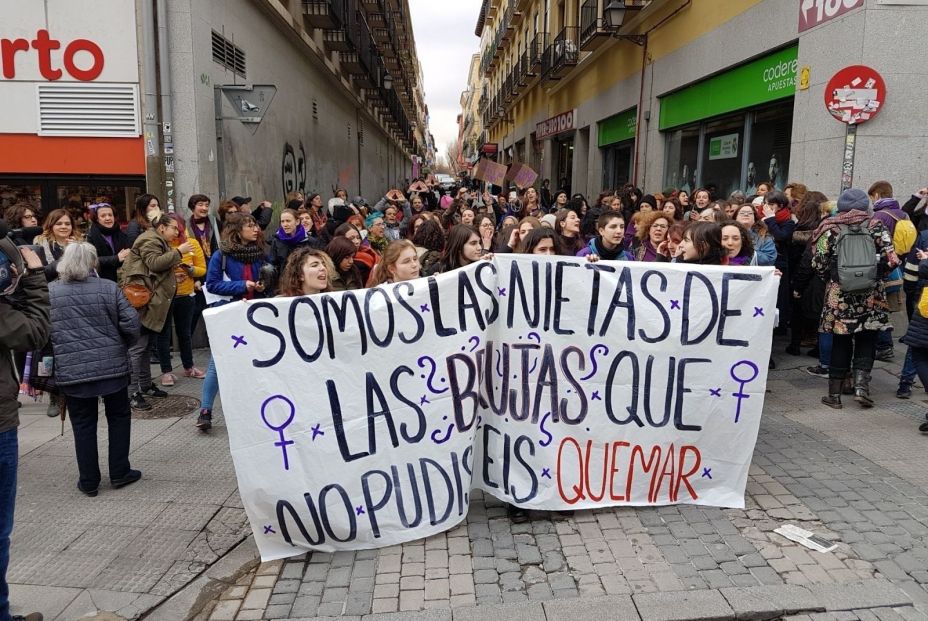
<point x="284" y="442"/>
<point x="741" y="395"/>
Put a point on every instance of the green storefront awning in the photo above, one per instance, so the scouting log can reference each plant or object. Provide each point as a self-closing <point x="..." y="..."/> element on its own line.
<point x="760" y="81"/>
<point x="618" y="128"/>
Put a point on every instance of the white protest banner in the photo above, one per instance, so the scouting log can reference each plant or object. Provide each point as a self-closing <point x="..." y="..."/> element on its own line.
<point x="363" y="419"/>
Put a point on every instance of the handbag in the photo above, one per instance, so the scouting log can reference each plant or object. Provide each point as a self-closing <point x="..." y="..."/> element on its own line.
<point x="134" y="279"/>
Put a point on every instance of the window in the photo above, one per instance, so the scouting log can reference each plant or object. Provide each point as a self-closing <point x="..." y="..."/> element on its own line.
<point x="228" y="54"/>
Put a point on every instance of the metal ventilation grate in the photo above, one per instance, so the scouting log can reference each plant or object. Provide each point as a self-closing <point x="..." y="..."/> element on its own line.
<point x="82" y="109"/>
<point x="228" y="54"/>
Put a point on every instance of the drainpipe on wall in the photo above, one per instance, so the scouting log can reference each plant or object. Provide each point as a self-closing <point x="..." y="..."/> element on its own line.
<point x="167" y="114"/>
<point x="151" y="124"/>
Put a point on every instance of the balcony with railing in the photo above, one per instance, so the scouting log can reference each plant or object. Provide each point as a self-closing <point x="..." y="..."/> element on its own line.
<point x="326" y="14"/>
<point x="563" y="53"/>
<point x="536" y="53"/>
<point x="593" y="28"/>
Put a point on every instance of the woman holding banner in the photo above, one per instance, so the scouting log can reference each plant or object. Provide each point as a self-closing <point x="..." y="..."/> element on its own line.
<point x="461" y="249"/>
<point x="400" y="263"/>
<point x="609" y="243"/>
<point x="234" y="273"/>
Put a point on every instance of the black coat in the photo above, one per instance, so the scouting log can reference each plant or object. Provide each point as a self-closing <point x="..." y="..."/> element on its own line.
<point x="280" y="251"/>
<point x="109" y="262"/>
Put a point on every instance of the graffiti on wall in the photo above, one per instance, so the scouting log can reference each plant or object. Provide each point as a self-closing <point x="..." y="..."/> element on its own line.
<point x="293" y="169"/>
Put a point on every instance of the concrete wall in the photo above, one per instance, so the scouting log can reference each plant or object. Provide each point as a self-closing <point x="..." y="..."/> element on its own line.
<point x="894" y="145"/>
<point x="290" y="148"/>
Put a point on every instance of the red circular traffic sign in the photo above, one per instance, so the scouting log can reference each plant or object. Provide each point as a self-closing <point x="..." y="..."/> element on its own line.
<point x="855" y="94"/>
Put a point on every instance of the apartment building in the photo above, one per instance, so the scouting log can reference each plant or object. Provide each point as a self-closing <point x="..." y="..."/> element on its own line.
<point x="690" y="93"/>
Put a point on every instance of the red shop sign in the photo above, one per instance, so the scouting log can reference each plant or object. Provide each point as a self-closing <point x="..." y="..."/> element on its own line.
<point x="855" y="94"/>
<point x="43" y="45"/>
<point x="815" y="12"/>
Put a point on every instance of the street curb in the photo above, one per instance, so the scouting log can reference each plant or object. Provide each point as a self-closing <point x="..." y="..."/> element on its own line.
<point x="208" y="586"/>
<point x="761" y="603"/>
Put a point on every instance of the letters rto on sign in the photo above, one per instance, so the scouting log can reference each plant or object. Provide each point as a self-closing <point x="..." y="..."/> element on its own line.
<point x="364" y="418"/>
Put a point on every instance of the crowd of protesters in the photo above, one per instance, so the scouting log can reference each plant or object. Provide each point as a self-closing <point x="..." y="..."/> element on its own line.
<point x="128" y="291"/>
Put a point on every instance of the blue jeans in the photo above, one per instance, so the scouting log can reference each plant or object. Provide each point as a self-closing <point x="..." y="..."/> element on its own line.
<point x="824" y="349"/>
<point x="9" y="458"/>
<point x="919" y="357"/>
<point x="907" y="378"/>
<point x="884" y="339"/>
<point x="210" y="386"/>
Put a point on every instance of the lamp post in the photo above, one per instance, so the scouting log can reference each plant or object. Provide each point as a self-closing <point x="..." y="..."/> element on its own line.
<point x="615" y="13"/>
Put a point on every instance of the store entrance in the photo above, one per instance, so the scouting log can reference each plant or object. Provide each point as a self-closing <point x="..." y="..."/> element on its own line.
<point x="564" y="148"/>
<point x="617" y="164"/>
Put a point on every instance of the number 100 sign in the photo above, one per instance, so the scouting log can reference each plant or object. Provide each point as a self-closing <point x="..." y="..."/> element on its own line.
<point x="815" y="12"/>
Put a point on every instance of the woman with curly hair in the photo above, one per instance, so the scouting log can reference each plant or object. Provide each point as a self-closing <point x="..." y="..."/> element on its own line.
<point x="651" y="233"/>
<point x="306" y="272"/>
<point x="429" y="242"/>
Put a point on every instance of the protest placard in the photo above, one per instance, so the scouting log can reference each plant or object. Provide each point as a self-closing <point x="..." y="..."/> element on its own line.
<point x="364" y="418"/>
<point x="491" y="172"/>
<point x="522" y="175"/>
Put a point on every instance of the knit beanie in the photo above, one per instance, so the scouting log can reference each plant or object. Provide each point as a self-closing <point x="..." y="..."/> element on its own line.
<point x="853" y="198"/>
<point x="548" y="219"/>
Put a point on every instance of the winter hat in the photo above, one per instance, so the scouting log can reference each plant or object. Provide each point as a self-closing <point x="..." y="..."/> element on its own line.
<point x="549" y="220"/>
<point x="649" y="199"/>
<point x="853" y="198"/>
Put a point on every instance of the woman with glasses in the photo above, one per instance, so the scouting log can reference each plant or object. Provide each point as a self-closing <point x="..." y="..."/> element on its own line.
<point x="20" y="216"/>
<point x="153" y="261"/>
<point x="652" y="231"/>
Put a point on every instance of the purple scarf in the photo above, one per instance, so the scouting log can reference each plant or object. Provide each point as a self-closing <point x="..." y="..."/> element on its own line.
<point x="298" y="237"/>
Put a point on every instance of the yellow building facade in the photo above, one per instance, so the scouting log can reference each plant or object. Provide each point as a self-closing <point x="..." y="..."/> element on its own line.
<point x="683" y="93"/>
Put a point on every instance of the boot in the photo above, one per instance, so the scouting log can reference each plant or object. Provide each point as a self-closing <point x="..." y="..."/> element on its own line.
<point x="862" y="388"/>
<point x="847" y="385"/>
<point x="833" y="400"/>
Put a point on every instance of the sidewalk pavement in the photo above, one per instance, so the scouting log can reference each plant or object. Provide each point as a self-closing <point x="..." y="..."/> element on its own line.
<point x="126" y="550"/>
<point x="859" y="478"/>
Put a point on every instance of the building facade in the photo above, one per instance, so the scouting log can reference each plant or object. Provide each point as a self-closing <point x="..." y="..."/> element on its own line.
<point x="310" y="95"/>
<point x="470" y="121"/>
<point x="691" y="93"/>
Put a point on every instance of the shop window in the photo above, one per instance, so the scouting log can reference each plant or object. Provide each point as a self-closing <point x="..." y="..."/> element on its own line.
<point x="682" y="158"/>
<point x="768" y="153"/>
<point x="12" y="193"/>
<point x="721" y="155"/>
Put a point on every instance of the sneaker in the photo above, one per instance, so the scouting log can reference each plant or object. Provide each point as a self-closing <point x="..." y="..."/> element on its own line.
<point x="32" y="616"/>
<point x="168" y="379"/>
<point x="154" y="391"/>
<point x="884" y="355"/>
<point x="817" y="371"/>
<point x="138" y="402"/>
<point x="205" y="420"/>
<point x="130" y="477"/>
<point x="904" y="391"/>
<point x="195" y="373"/>
<point x="52" y="410"/>
<point x="923" y="427"/>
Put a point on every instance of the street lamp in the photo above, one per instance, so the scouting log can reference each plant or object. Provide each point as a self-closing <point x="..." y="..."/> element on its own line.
<point x="387" y="82"/>
<point x="615" y="13"/>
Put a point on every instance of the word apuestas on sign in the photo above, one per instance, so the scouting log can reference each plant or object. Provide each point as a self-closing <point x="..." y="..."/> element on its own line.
<point x="855" y="94"/>
<point x="362" y="419"/>
<point x="780" y="75"/>
<point x="815" y="12"/>
<point x="43" y="45"/>
<point x="563" y="122"/>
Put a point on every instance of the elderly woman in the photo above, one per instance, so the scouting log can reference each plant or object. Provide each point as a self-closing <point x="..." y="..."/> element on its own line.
<point x="93" y="326"/>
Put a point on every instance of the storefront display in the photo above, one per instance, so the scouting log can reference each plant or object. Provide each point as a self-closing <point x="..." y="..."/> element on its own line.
<point x="732" y="131"/>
